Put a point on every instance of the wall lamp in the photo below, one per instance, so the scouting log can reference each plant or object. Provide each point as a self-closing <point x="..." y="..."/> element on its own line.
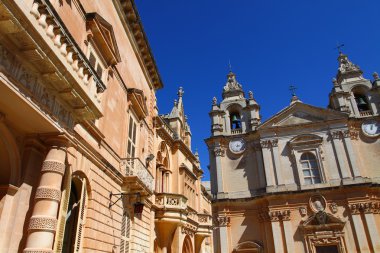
<point x="138" y="205"/>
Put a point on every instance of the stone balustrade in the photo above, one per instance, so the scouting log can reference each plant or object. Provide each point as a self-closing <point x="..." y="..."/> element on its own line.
<point x="170" y="200"/>
<point x="366" y="113"/>
<point x="236" y="131"/>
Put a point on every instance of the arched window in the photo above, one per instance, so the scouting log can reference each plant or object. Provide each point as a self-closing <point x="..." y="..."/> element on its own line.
<point x="310" y="168"/>
<point x="163" y="169"/>
<point x="235" y="121"/>
<point x="75" y="216"/>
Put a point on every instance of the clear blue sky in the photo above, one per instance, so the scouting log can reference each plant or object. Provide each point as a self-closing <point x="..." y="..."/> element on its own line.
<point x="271" y="45"/>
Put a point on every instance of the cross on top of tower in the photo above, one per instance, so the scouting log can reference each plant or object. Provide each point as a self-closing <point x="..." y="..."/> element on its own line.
<point x="180" y="92"/>
<point x="338" y="47"/>
<point x="293" y="89"/>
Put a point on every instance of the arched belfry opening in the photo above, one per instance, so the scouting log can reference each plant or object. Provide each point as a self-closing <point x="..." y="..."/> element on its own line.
<point x="235" y="120"/>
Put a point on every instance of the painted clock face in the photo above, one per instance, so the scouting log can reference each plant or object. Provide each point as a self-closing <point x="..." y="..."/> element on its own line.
<point x="371" y="128"/>
<point x="237" y="146"/>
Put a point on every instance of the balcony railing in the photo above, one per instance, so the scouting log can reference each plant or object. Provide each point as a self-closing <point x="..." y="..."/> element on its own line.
<point x="236" y="131"/>
<point x="366" y="113"/>
<point x="204" y="219"/>
<point x="135" y="168"/>
<point x="170" y="200"/>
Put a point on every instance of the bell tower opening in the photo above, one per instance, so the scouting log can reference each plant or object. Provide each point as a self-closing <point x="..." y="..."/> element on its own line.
<point x="361" y="102"/>
<point x="235" y="121"/>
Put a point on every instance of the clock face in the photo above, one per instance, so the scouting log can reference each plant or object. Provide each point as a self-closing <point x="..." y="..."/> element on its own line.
<point x="371" y="128"/>
<point x="237" y="146"/>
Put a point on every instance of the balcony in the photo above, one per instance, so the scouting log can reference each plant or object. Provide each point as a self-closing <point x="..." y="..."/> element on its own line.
<point x="137" y="177"/>
<point x="171" y="207"/>
<point x="204" y="219"/>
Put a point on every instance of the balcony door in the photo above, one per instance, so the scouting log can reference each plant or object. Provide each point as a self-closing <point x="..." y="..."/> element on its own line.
<point x="327" y="249"/>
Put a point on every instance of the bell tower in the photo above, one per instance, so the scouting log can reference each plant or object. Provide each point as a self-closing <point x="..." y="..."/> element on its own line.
<point x="352" y="93"/>
<point x="231" y="122"/>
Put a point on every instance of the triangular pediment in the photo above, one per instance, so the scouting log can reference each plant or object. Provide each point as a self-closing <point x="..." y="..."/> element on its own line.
<point x="300" y="114"/>
<point x="104" y="37"/>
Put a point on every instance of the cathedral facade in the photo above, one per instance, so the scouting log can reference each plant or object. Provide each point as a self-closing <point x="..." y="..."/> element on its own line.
<point x="307" y="179"/>
<point x="87" y="164"/>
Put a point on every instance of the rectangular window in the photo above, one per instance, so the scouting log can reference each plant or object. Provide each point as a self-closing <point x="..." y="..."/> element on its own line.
<point x="327" y="249"/>
<point x="131" y="148"/>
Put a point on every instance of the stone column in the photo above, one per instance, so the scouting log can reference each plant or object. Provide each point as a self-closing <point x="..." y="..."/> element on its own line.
<point x="265" y="145"/>
<point x="259" y="159"/>
<point x="223" y="233"/>
<point x="277" y="165"/>
<point x="350" y="153"/>
<point x="288" y="232"/>
<point x="368" y="209"/>
<point x="359" y="228"/>
<point x="42" y="225"/>
<point x="277" y="237"/>
<point x="219" y="152"/>
<point x="335" y="136"/>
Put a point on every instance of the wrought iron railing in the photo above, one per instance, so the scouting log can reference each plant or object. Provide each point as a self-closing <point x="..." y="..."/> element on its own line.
<point x="135" y="167"/>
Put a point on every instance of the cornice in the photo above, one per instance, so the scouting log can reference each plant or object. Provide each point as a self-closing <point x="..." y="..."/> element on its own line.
<point x="135" y="30"/>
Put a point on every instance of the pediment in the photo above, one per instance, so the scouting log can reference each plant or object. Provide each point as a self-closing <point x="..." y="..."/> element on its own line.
<point x="322" y="221"/>
<point x="137" y="99"/>
<point x="301" y="114"/>
<point x="104" y="37"/>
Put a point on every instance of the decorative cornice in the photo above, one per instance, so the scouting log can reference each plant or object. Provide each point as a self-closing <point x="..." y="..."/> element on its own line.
<point x="278" y="215"/>
<point x="133" y="21"/>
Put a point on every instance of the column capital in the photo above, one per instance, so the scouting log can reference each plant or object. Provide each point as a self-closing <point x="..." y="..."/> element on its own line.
<point x="365" y="207"/>
<point x="59" y="141"/>
<point x="279" y="215"/>
<point x="223" y="221"/>
<point x="219" y="151"/>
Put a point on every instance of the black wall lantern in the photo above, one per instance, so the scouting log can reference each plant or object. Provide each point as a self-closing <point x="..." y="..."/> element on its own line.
<point x="138" y="205"/>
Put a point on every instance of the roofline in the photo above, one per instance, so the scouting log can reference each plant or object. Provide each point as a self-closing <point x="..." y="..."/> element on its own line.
<point x="133" y="21"/>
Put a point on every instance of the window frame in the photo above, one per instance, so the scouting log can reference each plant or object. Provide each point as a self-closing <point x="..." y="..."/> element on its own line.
<point x="134" y="138"/>
<point x="308" y="143"/>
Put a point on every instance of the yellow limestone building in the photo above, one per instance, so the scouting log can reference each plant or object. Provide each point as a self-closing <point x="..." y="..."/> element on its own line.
<point x="307" y="179"/>
<point x="86" y="162"/>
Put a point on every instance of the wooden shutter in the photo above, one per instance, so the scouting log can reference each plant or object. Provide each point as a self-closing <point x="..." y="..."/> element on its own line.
<point x="59" y="235"/>
<point x="125" y="233"/>
<point x="81" y="218"/>
<point x="92" y="60"/>
<point x="131" y="149"/>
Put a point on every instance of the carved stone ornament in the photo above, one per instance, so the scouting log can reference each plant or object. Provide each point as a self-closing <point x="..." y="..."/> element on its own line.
<point x="345" y="65"/>
<point x="48" y="193"/>
<point x="303" y="211"/>
<point x="365" y="207"/>
<point x="336" y="134"/>
<point x="53" y="166"/>
<point x="188" y="229"/>
<point x="317" y="203"/>
<point x="214" y="101"/>
<point x="278" y="215"/>
<point x="223" y="221"/>
<point x="334" y="207"/>
<point x="43" y="223"/>
<point x="219" y="151"/>
<point x="269" y="143"/>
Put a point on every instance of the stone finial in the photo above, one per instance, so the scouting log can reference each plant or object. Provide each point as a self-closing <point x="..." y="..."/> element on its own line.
<point x="180" y="92"/>
<point x="335" y="82"/>
<point x="175" y="102"/>
<point x="232" y="88"/>
<point x="375" y="75"/>
<point x="250" y="94"/>
<point x="214" y="101"/>
<point x="196" y="154"/>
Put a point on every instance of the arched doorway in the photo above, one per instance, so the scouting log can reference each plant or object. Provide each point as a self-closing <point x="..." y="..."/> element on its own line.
<point x="187" y="245"/>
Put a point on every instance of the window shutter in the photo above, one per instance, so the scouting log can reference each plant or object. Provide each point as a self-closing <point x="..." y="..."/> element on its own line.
<point x="81" y="218"/>
<point x="92" y="60"/>
<point x="58" y="241"/>
<point x="99" y="71"/>
<point x="125" y="233"/>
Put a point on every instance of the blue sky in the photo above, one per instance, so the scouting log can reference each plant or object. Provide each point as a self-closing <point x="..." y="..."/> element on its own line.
<point x="270" y="44"/>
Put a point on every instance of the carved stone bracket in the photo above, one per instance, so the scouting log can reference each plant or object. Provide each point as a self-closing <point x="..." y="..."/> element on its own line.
<point x="188" y="229"/>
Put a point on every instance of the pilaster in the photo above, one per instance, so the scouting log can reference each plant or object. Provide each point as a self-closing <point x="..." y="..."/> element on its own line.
<point x="223" y="223"/>
<point x="219" y="152"/>
<point x="335" y="137"/>
<point x="359" y="228"/>
<point x="347" y="135"/>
